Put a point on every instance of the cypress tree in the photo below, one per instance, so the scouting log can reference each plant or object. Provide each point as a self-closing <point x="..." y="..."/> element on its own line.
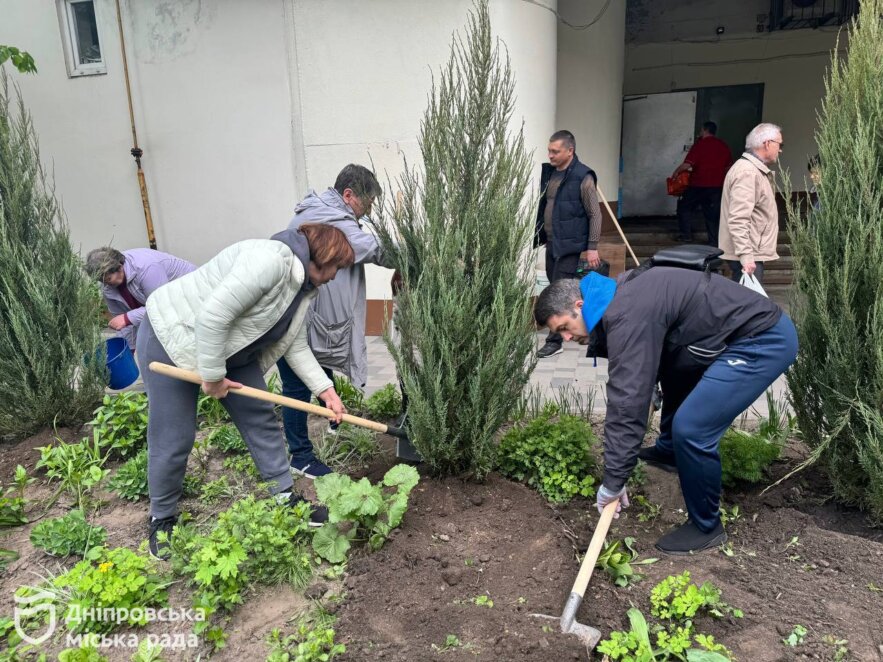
<point x="460" y="233"/>
<point x="837" y="382"/>
<point x="49" y="325"/>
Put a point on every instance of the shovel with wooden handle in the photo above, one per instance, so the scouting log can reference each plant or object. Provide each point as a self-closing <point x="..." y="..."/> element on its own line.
<point x="259" y="394"/>
<point x="567" y="621"/>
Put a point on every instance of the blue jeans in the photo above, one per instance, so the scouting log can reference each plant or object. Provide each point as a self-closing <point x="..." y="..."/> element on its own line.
<point x="294" y="421"/>
<point x="694" y="422"/>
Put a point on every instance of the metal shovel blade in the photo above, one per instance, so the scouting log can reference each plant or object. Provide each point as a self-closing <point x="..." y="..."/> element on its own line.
<point x="569" y="625"/>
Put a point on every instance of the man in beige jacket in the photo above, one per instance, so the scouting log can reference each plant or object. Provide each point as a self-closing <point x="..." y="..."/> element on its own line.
<point x="749" y="220"/>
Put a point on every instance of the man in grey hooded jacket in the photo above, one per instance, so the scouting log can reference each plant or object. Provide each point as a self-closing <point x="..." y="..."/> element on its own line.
<point x="337" y="316"/>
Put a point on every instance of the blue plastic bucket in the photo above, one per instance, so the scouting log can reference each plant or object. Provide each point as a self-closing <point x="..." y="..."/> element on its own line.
<point x="121" y="365"/>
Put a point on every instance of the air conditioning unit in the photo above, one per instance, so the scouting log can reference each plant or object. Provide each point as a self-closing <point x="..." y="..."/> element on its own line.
<point x="810" y="14"/>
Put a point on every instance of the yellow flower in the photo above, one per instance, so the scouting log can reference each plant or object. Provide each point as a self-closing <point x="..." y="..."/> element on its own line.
<point x="104" y="567"/>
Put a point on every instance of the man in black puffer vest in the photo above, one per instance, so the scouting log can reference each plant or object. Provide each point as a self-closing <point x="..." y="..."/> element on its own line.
<point x="568" y="218"/>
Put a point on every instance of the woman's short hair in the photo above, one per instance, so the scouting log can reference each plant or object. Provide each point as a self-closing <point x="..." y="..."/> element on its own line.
<point x="104" y="261"/>
<point x="328" y="245"/>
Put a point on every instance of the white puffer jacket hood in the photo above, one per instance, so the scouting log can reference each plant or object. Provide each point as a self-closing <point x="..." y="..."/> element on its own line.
<point x="205" y="317"/>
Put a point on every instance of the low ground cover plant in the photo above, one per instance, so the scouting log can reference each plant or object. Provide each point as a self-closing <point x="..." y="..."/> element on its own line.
<point x="70" y="534"/>
<point x="347" y="448"/>
<point x="255" y="541"/>
<point x="360" y="511"/>
<point x="617" y="559"/>
<point x="745" y="456"/>
<point x="109" y="578"/>
<point x="227" y="439"/>
<point x="552" y="455"/>
<point x="675" y="603"/>
<point x="130" y="480"/>
<point x="121" y="423"/>
<point x="78" y="468"/>
<point x="384" y="403"/>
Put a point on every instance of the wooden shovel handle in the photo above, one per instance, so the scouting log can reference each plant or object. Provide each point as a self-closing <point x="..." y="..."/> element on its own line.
<point x="258" y="394"/>
<point x="616" y="223"/>
<point x="594" y="550"/>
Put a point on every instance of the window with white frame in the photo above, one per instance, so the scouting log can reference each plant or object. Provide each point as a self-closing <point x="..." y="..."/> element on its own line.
<point x="80" y="33"/>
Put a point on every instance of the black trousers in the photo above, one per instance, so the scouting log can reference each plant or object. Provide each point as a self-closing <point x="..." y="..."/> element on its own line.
<point x="709" y="200"/>
<point x="558" y="269"/>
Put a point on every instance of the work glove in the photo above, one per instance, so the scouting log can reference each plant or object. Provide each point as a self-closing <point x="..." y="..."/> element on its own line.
<point x="606" y="496"/>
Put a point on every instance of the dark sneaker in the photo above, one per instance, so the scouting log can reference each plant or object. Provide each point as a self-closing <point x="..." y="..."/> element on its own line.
<point x="688" y="539"/>
<point x="318" y="514"/>
<point x="159" y="549"/>
<point x="549" y="349"/>
<point x="657" y="458"/>
<point x="310" y="468"/>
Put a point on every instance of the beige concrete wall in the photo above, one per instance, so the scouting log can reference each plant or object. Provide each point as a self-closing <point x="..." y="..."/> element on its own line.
<point x="791" y="65"/>
<point x="590" y="79"/>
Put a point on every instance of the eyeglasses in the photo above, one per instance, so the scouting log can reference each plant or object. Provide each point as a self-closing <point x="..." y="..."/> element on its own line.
<point x="780" y="143"/>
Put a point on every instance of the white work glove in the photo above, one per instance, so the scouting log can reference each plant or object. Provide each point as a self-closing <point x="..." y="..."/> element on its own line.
<point x="606" y="496"/>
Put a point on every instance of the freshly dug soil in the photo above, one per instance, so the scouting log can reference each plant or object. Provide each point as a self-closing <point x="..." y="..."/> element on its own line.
<point x="794" y="561"/>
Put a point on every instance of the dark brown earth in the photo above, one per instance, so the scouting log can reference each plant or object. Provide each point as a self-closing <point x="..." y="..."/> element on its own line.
<point x="460" y="540"/>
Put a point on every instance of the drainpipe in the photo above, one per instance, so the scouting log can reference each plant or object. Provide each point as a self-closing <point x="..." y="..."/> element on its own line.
<point x="135" y="151"/>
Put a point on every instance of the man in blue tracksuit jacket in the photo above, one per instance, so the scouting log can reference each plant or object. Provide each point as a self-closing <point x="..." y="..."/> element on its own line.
<point x="713" y="345"/>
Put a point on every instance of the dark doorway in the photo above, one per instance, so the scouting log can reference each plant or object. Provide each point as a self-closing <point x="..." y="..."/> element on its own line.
<point x="736" y="109"/>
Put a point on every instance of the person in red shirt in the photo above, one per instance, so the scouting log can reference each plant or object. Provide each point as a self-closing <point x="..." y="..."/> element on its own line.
<point x="708" y="161"/>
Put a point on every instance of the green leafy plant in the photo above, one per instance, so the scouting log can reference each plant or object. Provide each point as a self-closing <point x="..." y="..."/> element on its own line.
<point x="306" y="645"/>
<point x="79" y="468"/>
<point x="253" y="541"/>
<point x="346" y="449"/>
<point x="243" y="464"/>
<point x="551" y="455"/>
<point x="358" y="510"/>
<point x="677" y="599"/>
<point x="452" y="641"/>
<point x="21" y="60"/>
<point x="121" y="423"/>
<point x="796" y="637"/>
<point x="745" y="456"/>
<point x="351" y="396"/>
<point x="226" y="438"/>
<point x="215" y="490"/>
<point x="617" y="559"/>
<point x="457" y="235"/>
<point x="211" y="411"/>
<point x="21" y="480"/>
<point x="649" y="510"/>
<point x="730" y="515"/>
<point x="148" y="652"/>
<point x="110" y="578"/>
<point x="70" y="534"/>
<point x="82" y="654"/>
<point x="51" y="353"/>
<point x="12" y="509"/>
<point x="384" y="403"/>
<point x="7" y="556"/>
<point x="130" y="480"/>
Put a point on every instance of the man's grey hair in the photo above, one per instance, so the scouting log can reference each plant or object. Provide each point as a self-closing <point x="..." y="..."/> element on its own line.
<point x="359" y="180"/>
<point x="557" y="299"/>
<point x="760" y="134"/>
<point x="103" y="261"/>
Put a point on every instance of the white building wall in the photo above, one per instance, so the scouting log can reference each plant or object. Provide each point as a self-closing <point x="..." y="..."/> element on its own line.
<point x="590" y="77"/>
<point x="242" y="106"/>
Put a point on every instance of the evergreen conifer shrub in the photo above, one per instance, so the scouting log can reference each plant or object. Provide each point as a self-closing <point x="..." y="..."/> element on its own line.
<point x="48" y="323"/>
<point x="460" y="234"/>
<point x="837" y="381"/>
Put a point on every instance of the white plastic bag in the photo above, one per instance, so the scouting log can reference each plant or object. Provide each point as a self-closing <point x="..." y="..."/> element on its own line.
<point x="749" y="281"/>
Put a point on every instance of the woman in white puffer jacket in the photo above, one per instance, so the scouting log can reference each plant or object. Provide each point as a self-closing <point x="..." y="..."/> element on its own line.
<point x="230" y="321"/>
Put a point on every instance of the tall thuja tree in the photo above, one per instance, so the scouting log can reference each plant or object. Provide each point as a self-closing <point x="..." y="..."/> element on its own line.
<point x="460" y="233"/>
<point x="48" y="320"/>
<point x="837" y="381"/>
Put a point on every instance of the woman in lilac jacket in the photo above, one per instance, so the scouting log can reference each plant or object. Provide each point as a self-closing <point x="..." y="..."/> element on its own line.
<point x="127" y="278"/>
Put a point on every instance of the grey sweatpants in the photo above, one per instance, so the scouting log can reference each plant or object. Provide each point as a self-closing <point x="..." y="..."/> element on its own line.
<point x="171" y="426"/>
